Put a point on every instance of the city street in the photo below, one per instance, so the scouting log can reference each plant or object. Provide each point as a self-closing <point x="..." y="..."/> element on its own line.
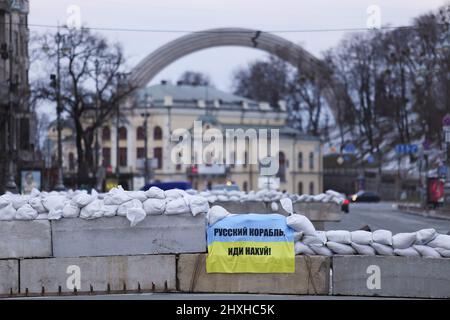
<point x="383" y="216"/>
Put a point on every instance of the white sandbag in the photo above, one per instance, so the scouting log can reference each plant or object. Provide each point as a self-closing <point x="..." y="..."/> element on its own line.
<point x="138" y="195"/>
<point x="363" y="249"/>
<point x="8" y="212"/>
<point x="42" y="216"/>
<point x="26" y="212"/>
<point x="426" y="251"/>
<point x="154" y="206"/>
<point x="123" y="208"/>
<point x="407" y="252"/>
<point x="339" y="236"/>
<point x="175" y="193"/>
<point x="340" y="248"/>
<point x="55" y="214"/>
<point x="319" y="197"/>
<point x="92" y="210"/>
<point x="198" y="205"/>
<point x="82" y="200"/>
<point x="382" y="237"/>
<point x="216" y="213"/>
<point x="109" y="210"/>
<point x="211" y="199"/>
<point x="34" y="193"/>
<point x="443" y="252"/>
<point x="301" y="248"/>
<point x="5" y="200"/>
<point x="192" y="192"/>
<point x="301" y="224"/>
<point x="333" y="193"/>
<point x="222" y="198"/>
<point x="403" y="240"/>
<point x="19" y="201"/>
<point x="155" y="193"/>
<point x="424" y="236"/>
<point x="441" y="241"/>
<point x="287" y="206"/>
<point x="36" y="204"/>
<point x="176" y="206"/>
<point x="318" y="239"/>
<point x="321" y="250"/>
<point x="361" y="237"/>
<point x="234" y="199"/>
<point x="54" y="202"/>
<point x="274" y="207"/>
<point x="116" y="196"/>
<point x="298" y="236"/>
<point x="382" y="249"/>
<point x="135" y="215"/>
<point x="71" y="210"/>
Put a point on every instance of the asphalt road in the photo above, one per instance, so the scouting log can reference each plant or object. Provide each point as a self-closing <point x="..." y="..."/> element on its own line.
<point x="383" y="216"/>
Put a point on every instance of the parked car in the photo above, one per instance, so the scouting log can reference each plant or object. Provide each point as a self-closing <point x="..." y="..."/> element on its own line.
<point x="365" y="196"/>
<point x="168" y="185"/>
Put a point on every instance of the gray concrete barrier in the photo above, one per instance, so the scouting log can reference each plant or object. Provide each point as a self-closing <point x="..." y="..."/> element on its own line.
<point x="9" y="277"/>
<point x="102" y="273"/>
<point x="25" y="239"/>
<point x="114" y="236"/>
<point x="391" y="276"/>
<point x="311" y="277"/>
<point x="243" y="207"/>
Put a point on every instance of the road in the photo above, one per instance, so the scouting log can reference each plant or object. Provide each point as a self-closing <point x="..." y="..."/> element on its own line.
<point x="383" y="216"/>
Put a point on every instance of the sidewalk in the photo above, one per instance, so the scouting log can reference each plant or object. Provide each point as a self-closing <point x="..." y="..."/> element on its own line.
<point x="416" y="209"/>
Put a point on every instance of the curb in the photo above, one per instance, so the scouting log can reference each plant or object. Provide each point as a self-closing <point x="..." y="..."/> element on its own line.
<point x="423" y="213"/>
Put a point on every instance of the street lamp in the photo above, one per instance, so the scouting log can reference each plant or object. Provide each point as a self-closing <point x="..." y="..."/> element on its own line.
<point x="147" y="103"/>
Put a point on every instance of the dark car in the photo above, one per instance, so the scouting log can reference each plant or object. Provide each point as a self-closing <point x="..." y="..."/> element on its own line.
<point x="365" y="196"/>
<point x="168" y="185"/>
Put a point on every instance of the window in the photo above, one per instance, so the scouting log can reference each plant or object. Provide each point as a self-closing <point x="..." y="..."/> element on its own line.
<point x="282" y="167"/>
<point x="311" y="161"/>
<point x="140" y="133"/>
<point x="122" y="157"/>
<point x="140" y="153"/>
<point x="300" y="160"/>
<point x="178" y="167"/>
<point x="245" y="159"/>
<point x="300" y="188"/>
<point x="71" y="161"/>
<point x="311" y="188"/>
<point x="245" y="186"/>
<point x="24" y="133"/>
<point x="122" y="133"/>
<point x="106" y="152"/>
<point x="157" y="133"/>
<point x="106" y="134"/>
<point x="233" y="159"/>
<point x="157" y="154"/>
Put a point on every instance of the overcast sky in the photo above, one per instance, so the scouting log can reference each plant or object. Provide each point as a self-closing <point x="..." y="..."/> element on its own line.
<point x="219" y="63"/>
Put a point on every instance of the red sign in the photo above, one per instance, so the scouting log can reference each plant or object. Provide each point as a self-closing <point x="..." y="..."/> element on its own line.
<point x="435" y="190"/>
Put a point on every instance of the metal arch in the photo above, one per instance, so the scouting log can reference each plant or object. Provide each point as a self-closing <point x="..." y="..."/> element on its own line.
<point x="292" y="53"/>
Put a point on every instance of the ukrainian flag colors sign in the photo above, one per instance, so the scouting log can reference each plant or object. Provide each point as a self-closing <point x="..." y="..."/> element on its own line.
<point x="251" y="243"/>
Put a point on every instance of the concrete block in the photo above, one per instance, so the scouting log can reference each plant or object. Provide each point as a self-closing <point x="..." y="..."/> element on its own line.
<point x="25" y="239"/>
<point x="98" y="272"/>
<point x="391" y="276"/>
<point x="114" y="236"/>
<point x="311" y="277"/>
<point x="319" y="211"/>
<point x="9" y="277"/>
<point x="243" y="207"/>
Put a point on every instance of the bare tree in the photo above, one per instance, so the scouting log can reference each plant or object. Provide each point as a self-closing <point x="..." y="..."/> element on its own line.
<point x="194" y="78"/>
<point x="91" y="86"/>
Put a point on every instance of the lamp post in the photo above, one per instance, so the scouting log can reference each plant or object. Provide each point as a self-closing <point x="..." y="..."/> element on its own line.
<point x="59" y="108"/>
<point x="148" y="102"/>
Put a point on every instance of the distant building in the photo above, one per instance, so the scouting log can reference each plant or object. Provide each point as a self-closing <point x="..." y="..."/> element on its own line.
<point x="178" y="106"/>
<point x="16" y="120"/>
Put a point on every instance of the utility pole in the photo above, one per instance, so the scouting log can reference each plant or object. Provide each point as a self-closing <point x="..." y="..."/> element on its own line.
<point x="148" y="103"/>
<point x="60" y="183"/>
<point x="10" y="182"/>
<point x="96" y="146"/>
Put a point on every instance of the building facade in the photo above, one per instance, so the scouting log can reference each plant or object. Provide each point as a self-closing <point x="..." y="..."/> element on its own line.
<point x="16" y="119"/>
<point x="170" y="107"/>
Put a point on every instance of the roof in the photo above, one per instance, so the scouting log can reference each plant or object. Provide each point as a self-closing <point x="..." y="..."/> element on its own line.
<point x="189" y="96"/>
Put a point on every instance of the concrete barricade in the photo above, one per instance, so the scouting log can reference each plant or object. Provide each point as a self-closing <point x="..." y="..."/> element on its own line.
<point x="391" y="276"/>
<point x="9" y="277"/>
<point x="311" y="277"/>
<point x="121" y="273"/>
<point x="25" y="239"/>
<point x="114" y="236"/>
<point x="243" y="207"/>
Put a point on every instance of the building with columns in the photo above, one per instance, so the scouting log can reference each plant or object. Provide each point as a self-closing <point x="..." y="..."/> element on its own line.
<point x="170" y="107"/>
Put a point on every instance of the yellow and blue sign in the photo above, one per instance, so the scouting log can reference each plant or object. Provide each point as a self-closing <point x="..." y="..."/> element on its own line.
<point x="251" y="243"/>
